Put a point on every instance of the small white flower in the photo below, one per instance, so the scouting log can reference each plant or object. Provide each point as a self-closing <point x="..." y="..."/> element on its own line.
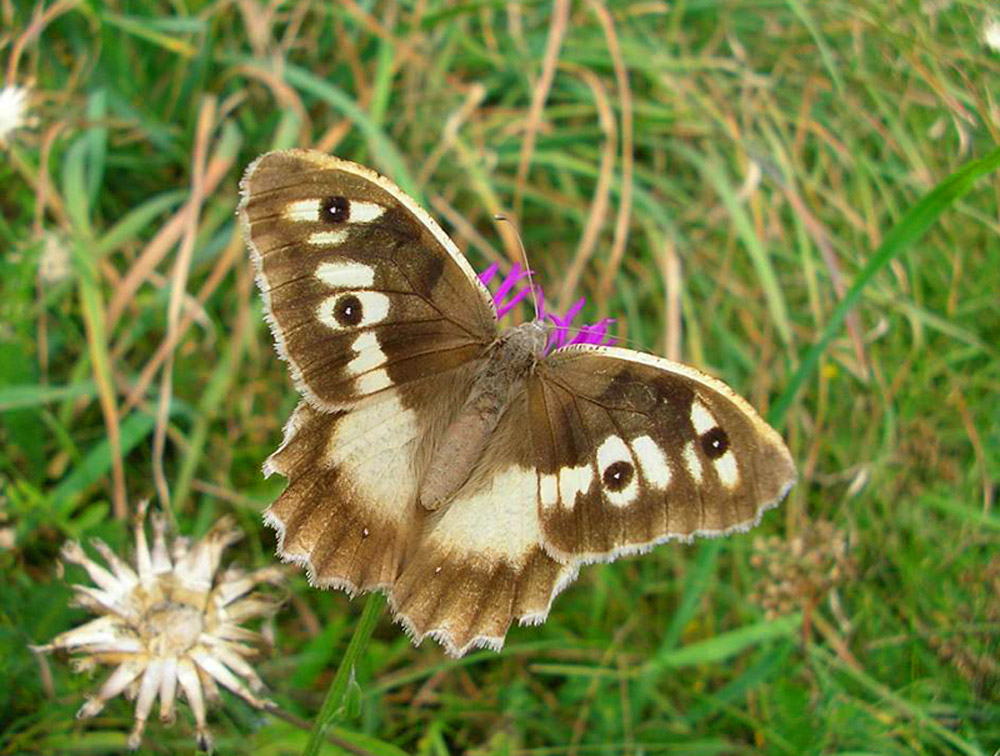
<point x="55" y="263"/>
<point x="991" y="34"/>
<point x="13" y="110"/>
<point x="170" y="622"/>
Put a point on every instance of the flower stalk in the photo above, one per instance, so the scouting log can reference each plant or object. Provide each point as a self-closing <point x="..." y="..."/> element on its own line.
<point x="332" y="704"/>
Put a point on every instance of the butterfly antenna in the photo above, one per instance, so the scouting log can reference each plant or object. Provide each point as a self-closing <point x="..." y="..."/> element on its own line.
<point x="524" y="256"/>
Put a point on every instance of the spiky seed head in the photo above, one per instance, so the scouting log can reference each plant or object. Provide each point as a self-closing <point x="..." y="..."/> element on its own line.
<point x="171" y="623"/>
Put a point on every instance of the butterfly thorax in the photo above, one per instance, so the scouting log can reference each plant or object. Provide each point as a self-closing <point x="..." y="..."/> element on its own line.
<point x="510" y="360"/>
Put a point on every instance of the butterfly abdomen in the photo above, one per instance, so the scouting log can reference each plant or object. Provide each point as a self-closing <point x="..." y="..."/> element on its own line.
<point x="511" y="359"/>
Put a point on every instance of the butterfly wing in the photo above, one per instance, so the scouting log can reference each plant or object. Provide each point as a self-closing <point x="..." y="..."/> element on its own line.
<point x="383" y="324"/>
<point x="349" y="512"/>
<point x="633" y="450"/>
<point x="480" y="563"/>
<point x="363" y="290"/>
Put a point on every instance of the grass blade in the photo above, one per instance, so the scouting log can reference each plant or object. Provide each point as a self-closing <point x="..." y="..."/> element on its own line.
<point x="99" y="459"/>
<point x="725" y="645"/>
<point x="33" y="395"/>
<point x="713" y="170"/>
<point x="345" y="674"/>
<point x="145" y="29"/>
<point x="137" y="219"/>
<point x="824" y="49"/>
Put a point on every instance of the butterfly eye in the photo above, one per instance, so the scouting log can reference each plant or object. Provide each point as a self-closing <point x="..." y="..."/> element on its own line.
<point x="715" y="443"/>
<point x="335" y="210"/>
<point x="348" y="311"/>
<point x="617" y="476"/>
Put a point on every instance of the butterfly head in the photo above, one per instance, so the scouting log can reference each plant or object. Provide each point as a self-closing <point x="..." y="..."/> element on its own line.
<point x="530" y="339"/>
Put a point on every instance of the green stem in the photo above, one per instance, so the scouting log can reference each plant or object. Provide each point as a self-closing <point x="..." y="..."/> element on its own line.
<point x="335" y="695"/>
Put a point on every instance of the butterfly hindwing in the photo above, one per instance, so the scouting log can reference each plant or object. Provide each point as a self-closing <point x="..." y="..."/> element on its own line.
<point x="349" y="513"/>
<point x="350" y="516"/>
<point x="480" y="562"/>
<point x="362" y="289"/>
<point x="633" y="450"/>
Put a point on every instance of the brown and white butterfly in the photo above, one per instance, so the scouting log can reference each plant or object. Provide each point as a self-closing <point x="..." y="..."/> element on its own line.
<point x="467" y="471"/>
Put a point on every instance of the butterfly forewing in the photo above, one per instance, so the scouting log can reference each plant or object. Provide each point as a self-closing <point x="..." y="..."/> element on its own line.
<point x="363" y="290"/>
<point x="633" y="450"/>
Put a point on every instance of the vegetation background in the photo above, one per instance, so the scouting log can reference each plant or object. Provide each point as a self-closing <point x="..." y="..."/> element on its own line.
<point x="715" y="174"/>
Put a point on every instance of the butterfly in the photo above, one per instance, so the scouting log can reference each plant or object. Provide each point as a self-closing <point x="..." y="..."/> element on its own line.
<point x="468" y="471"/>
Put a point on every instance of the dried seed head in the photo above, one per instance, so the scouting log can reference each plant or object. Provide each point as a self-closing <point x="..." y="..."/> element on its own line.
<point x="801" y="570"/>
<point x="170" y="624"/>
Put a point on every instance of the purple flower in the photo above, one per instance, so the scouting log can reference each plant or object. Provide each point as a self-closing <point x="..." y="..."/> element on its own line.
<point x="504" y="301"/>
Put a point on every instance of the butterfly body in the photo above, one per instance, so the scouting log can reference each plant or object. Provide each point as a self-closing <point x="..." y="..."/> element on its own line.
<point x="511" y="358"/>
<point x="469" y="472"/>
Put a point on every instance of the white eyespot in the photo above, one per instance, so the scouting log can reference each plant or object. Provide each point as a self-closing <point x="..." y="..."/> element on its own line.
<point x="345" y="275"/>
<point x="612" y="450"/>
<point x="374" y="381"/>
<point x="574" y="481"/>
<point x="304" y="211"/>
<point x="548" y="490"/>
<point x="652" y="461"/>
<point x="364" y="532"/>
<point x="353" y="309"/>
<point x="727" y="469"/>
<point x="437" y="570"/>
<point x="328" y="238"/>
<point x="617" y="469"/>
<point x="370" y="354"/>
<point x="364" y="212"/>
<point x="701" y="418"/>
<point x="692" y="461"/>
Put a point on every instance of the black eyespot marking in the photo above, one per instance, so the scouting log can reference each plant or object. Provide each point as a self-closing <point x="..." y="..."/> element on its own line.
<point x="714" y="443"/>
<point x="617" y="476"/>
<point x="335" y="210"/>
<point x="348" y="311"/>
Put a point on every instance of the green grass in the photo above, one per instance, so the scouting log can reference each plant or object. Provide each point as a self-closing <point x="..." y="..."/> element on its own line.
<point x="824" y="173"/>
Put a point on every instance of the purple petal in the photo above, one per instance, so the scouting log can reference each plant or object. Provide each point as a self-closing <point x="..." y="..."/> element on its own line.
<point x="503" y="309"/>
<point x="504" y="301"/>
<point x="561" y="331"/>
<point x="487" y="275"/>
<point x="593" y="334"/>
<point x="509" y="282"/>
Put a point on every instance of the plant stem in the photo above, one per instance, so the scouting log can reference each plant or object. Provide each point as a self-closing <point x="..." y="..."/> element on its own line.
<point x="335" y="695"/>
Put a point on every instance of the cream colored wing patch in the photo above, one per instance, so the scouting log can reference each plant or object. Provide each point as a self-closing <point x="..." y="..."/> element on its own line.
<point x="348" y="509"/>
<point x="480" y="565"/>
